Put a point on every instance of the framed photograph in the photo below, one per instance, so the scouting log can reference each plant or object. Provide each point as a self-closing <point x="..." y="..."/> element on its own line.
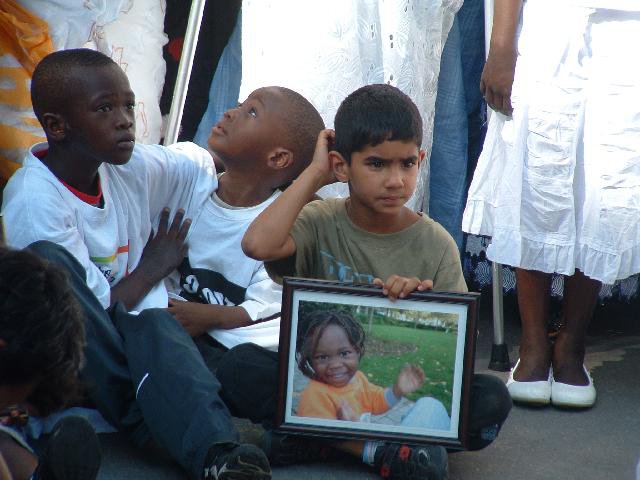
<point x="355" y="365"/>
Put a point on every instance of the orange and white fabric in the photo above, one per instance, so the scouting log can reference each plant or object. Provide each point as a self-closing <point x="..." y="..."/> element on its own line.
<point x="321" y="400"/>
<point x="129" y="31"/>
<point x="24" y="41"/>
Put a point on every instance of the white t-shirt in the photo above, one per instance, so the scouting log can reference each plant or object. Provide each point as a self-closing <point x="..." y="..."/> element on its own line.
<point x="107" y="241"/>
<point x="218" y="272"/>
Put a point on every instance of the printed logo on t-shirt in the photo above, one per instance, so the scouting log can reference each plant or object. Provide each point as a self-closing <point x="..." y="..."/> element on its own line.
<point x="206" y="286"/>
<point x="109" y="265"/>
<point x="343" y="272"/>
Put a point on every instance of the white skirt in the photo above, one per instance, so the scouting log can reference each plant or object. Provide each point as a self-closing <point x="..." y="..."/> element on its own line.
<point x="557" y="186"/>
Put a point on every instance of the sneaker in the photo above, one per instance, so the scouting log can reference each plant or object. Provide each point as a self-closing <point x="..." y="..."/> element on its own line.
<point x="236" y="462"/>
<point x="282" y="449"/>
<point x="72" y="452"/>
<point x="411" y="462"/>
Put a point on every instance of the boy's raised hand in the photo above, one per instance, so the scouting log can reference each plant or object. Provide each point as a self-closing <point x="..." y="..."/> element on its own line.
<point x="268" y="237"/>
<point x="399" y="287"/>
<point x="321" y="162"/>
<point x="166" y="250"/>
<point x="410" y="378"/>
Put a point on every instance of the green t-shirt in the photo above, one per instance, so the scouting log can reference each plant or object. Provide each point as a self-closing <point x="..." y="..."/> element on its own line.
<point x="330" y="247"/>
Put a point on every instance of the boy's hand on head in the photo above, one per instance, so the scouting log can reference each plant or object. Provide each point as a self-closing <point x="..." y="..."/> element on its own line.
<point x="321" y="164"/>
<point x="410" y="378"/>
<point x="194" y="317"/>
<point x="345" y="412"/>
<point x="165" y="251"/>
<point x="399" y="287"/>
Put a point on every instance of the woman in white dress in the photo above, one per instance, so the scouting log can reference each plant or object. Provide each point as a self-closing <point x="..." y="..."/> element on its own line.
<point x="557" y="186"/>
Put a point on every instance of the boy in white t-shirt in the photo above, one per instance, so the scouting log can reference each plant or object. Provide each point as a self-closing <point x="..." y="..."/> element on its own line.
<point x="263" y="143"/>
<point x="87" y="200"/>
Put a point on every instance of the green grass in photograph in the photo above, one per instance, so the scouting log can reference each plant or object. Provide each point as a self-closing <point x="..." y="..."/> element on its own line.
<point x="389" y="348"/>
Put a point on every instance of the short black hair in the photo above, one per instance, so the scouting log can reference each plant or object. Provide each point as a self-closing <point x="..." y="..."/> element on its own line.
<point x="302" y="124"/>
<point x="40" y="322"/>
<point x="58" y="77"/>
<point x="374" y="114"/>
<point x="312" y="326"/>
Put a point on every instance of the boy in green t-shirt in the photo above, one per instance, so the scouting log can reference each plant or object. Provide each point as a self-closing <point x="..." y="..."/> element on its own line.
<point x="372" y="237"/>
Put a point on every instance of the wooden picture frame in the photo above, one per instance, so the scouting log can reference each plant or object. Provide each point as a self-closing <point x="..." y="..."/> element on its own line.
<point x="435" y="330"/>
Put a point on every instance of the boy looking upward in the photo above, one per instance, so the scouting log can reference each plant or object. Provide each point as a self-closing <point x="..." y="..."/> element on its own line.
<point x="370" y="237"/>
<point x="263" y="144"/>
<point x="94" y="196"/>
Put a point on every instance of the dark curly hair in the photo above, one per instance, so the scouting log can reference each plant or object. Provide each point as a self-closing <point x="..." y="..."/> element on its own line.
<point x="41" y="325"/>
<point x="312" y="326"/>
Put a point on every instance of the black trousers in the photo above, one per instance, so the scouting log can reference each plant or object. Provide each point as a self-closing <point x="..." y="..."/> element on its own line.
<point x="249" y="378"/>
<point x="145" y="374"/>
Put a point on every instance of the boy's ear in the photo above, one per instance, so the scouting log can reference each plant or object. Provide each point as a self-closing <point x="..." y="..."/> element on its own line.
<point x="340" y="166"/>
<point x="421" y="155"/>
<point x="280" y="158"/>
<point x="54" y="126"/>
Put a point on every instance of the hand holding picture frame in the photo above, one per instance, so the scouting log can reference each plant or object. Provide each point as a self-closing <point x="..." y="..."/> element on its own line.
<point x="354" y="364"/>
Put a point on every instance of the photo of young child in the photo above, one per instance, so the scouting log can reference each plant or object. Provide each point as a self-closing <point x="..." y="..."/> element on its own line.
<point x="329" y="353"/>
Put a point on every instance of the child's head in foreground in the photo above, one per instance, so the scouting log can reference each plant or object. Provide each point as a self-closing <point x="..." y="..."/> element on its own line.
<point x="84" y="103"/>
<point x="329" y="346"/>
<point x="270" y="136"/>
<point x="41" y="333"/>
<point x="378" y="134"/>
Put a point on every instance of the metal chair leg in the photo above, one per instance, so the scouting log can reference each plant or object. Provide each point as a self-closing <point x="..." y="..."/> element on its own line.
<point x="499" y="352"/>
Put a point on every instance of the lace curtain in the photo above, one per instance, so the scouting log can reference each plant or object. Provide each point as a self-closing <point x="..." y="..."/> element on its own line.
<point x="325" y="50"/>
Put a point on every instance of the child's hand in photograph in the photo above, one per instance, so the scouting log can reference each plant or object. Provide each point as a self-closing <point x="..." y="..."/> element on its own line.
<point x="410" y="378"/>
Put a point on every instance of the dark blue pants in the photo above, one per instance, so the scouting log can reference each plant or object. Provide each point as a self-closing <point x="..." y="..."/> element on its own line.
<point x="145" y="374"/>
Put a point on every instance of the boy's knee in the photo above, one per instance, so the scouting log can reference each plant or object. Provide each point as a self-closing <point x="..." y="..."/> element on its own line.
<point x="490" y="400"/>
<point x="153" y="322"/>
<point x="244" y="350"/>
<point x="490" y="406"/>
<point x="248" y="375"/>
<point x="54" y="253"/>
<point x="48" y="250"/>
<point x="248" y="361"/>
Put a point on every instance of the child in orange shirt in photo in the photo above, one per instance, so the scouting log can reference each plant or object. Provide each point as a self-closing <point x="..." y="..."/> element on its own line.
<point x="329" y="347"/>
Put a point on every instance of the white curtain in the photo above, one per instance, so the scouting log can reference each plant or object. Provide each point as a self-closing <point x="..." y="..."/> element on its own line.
<point x="325" y="50"/>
